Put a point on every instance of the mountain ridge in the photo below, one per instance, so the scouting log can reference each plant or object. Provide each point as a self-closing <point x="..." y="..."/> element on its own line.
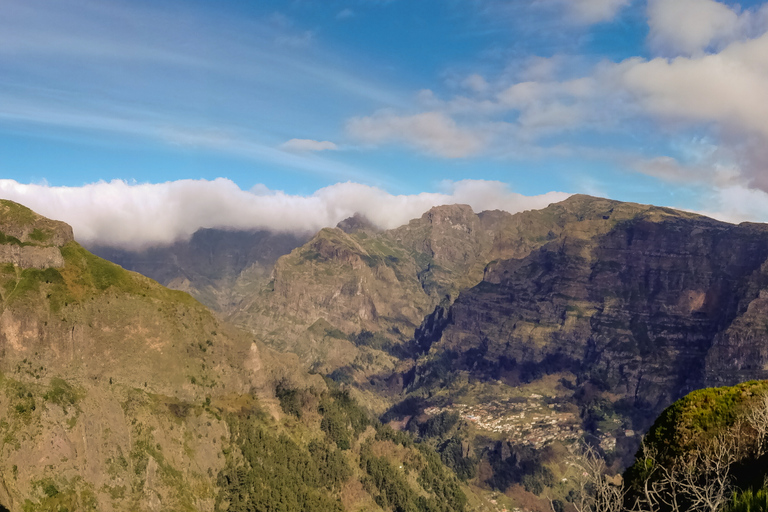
<point x="119" y="394"/>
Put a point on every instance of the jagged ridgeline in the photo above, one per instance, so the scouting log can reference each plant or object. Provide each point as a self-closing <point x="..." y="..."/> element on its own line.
<point x="119" y="394"/>
<point x="586" y="318"/>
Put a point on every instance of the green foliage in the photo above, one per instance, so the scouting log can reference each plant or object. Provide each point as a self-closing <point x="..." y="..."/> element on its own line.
<point x="387" y="433"/>
<point x="334" y="424"/>
<point x="290" y="399"/>
<point x="520" y="465"/>
<point x="85" y="273"/>
<point x="343" y="419"/>
<point x="31" y="279"/>
<point x="452" y="455"/>
<point x="388" y="485"/>
<point x="439" y="425"/>
<point x="276" y="474"/>
<point x="434" y="478"/>
<point x="60" y="496"/>
<point x="749" y="501"/>
<point x="391" y="490"/>
<point x="357" y="417"/>
<point x="22" y="400"/>
<point x="95" y="271"/>
<point x="694" y="421"/>
<point x="8" y="239"/>
<point x="61" y="394"/>
<point x="378" y="341"/>
<point x="38" y="235"/>
<point x="336" y="333"/>
<point x="331" y="464"/>
<point x="373" y="340"/>
<point x="14" y="213"/>
<point x="699" y="415"/>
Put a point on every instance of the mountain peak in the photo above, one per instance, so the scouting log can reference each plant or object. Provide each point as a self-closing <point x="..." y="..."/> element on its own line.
<point x="449" y="213"/>
<point x="358" y="222"/>
<point x="29" y="240"/>
<point x="29" y="228"/>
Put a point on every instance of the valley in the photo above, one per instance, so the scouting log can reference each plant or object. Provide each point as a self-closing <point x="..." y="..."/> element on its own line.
<point x="498" y="343"/>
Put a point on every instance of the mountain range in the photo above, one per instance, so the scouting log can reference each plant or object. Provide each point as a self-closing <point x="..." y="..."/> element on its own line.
<point x="117" y="393"/>
<point x="494" y="340"/>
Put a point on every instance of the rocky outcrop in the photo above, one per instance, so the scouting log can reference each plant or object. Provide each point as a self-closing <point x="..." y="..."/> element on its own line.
<point x="30" y="228"/>
<point x="358" y="223"/>
<point x="31" y="256"/>
<point x="28" y="240"/>
<point x="646" y="303"/>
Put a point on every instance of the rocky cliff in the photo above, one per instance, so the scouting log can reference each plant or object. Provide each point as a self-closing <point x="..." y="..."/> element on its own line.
<point x="642" y="303"/>
<point x="351" y="299"/>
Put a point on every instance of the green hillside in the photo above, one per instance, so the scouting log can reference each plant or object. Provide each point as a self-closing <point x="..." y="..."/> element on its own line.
<point x="119" y="394"/>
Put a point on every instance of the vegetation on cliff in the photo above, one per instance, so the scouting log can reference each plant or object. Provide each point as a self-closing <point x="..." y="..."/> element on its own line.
<point x="119" y="394"/>
<point x="706" y="452"/>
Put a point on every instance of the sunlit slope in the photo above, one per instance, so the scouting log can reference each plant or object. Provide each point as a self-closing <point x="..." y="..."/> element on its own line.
<point x="108" y="379"/>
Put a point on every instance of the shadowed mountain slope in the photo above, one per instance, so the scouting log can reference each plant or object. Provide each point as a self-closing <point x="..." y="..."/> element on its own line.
<point x="215" y="266"/>
<point x="635" y="303"/>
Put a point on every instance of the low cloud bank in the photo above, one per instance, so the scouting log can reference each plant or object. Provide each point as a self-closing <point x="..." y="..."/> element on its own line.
<point x="135" y="216"/>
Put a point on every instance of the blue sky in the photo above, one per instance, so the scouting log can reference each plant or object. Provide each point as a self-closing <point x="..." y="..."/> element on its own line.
<point x="657" y="101"/>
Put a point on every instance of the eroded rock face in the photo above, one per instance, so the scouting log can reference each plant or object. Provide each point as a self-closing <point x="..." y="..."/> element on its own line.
<point x="31" y="256"/>
<point x="31" y="228"/>
<point x="28" y="240"/>
<point x="354" y="279"/>
<point x="647" y="302"/>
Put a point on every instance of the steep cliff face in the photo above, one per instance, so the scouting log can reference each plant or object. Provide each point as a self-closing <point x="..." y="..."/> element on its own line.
<point x="647" y="303"/>
<point x="363" y="282"/>
<point x="740" y="351"/>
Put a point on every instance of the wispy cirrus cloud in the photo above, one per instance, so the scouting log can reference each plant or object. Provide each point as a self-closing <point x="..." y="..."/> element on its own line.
<point x="433" y="132"/>
<point x="593" y="11"/>
<point x="149" y="125"/>
<point x="308" y="145"/>
<point x="204" y="79"/>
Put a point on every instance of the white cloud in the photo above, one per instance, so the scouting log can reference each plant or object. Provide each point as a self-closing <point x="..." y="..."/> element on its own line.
<point x="344" y="14"/>
<point x="475" y="83"/>
<point x="308" y="145"/>
<point x="691" y="26"/>
<point x="542" y="69"/>
<point x="738" y="203"/>
<point x="593" y="11"/>
<point x="434" y="132"/>
<point x="127" y="215"/>
<point x="670" y="169"/>
<point x="728" y="88"/>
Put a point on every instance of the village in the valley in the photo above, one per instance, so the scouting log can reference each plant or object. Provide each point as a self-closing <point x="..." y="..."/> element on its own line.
<point x="535" y="421"/>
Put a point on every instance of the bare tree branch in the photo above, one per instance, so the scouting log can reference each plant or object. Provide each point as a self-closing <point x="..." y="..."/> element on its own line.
<point x="757" y="418"/>
<point x="597" y="491"/>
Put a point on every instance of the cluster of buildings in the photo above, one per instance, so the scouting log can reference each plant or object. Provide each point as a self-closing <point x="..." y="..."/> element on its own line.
<point x="533" y="421"/>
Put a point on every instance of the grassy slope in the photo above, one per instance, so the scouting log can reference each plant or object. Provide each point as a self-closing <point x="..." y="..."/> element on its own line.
<point x="119" y="394"/>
